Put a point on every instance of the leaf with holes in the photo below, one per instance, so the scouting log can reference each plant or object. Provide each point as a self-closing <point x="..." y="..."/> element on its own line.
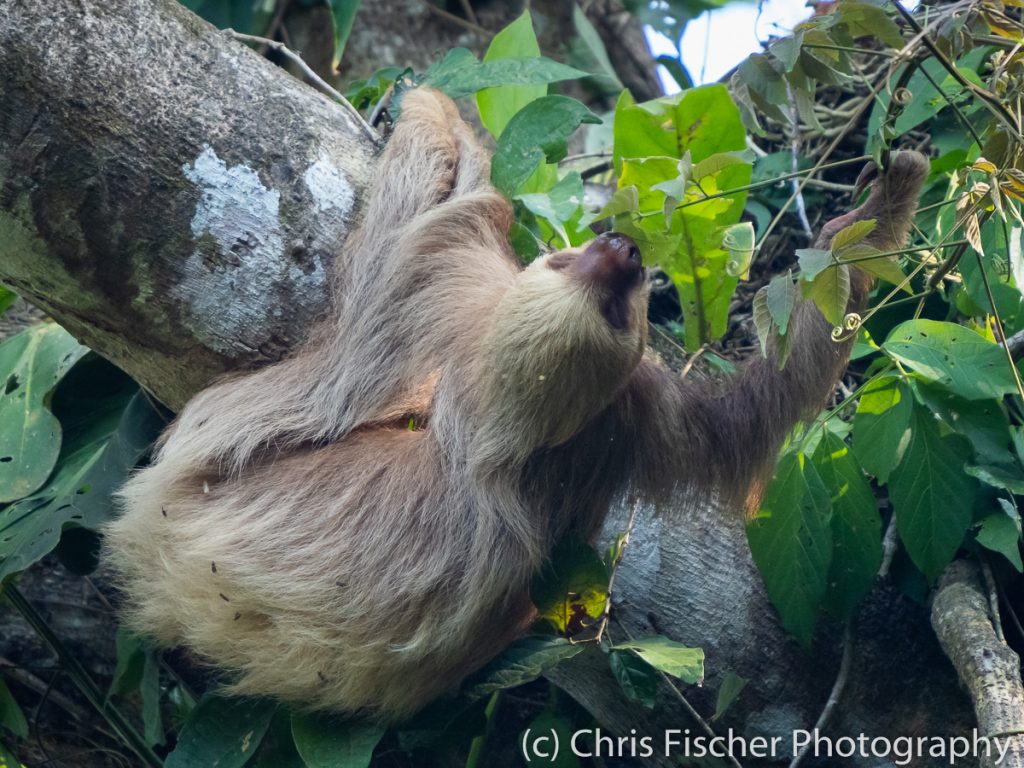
<point x="962" y="360"/>
<point x="108" y="426"/>
<point x="31" y="364"/>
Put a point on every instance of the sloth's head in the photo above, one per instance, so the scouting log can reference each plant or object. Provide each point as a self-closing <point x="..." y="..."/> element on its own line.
<point x="564" y="341"/>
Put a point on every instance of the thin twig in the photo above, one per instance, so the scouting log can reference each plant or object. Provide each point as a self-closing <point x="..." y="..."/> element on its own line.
<point x="835" y="694"/>
<point x="312" y="76"/>
<point x="634" y="507"/>
<point x="82" y="680"/>
<point x="33" y="683"/>
<point x="889" y="542"/>
<point x="993" y="599"/>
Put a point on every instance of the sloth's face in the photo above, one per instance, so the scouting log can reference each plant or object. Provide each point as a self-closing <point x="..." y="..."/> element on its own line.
<point x="610" y="266"/>
<point x="566" y="337"/>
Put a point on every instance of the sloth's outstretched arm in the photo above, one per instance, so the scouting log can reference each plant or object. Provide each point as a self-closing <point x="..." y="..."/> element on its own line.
<point x="727" y="434"/>
<point x="427" y="264"/>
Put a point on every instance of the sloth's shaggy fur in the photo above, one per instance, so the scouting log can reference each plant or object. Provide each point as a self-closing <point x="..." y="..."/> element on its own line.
<point x="356" y="528"/>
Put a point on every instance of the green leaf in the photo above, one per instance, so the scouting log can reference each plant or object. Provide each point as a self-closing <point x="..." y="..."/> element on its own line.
<point x="498" y="105"/>
<point x="538" y="133"/>
<point x="868" y="259"/>
<point x="8" y="759"/>
<point x="732" y="685"/>
<point x="522" y="662"/>
<point x="571" y="590"/>
<point x="221" y="732"/>
<point x="131" y="657"/>
<point x="781" y="297"/>
<point x="813" y="261"/>
<point x="791" y="542"/>
<point x="460" y="74"/>
<point x="625" y="200"/>
<point x="1000" y="533"/>
<point x="931" y="494"/>
<point x="1009" y="478"/>
<point x="31" y="364"/>
<point x="880" y="424"/>
<point x="830" y="291"/>
<point x="959" y="358"/>
<point x="7" y="299"/>
<point x="863" y="19"/>
<point x="11" y="716"/>
<point x="108" y="426"/>
<point x="668" y="656"/>
<point x="638" y="680"/>
<point x="983" y="422"/>
<point x="852" y="234"/>
<point x="593" y="44"/>
<point x="149" y="690"/>
<point x="326" y="741"/>
<point x="343" y="14"/>
<point x="856" y="526"/>
<point x="558" y="205"/>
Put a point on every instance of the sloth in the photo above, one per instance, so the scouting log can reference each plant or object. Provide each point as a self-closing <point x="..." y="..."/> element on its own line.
<point x="356" y="528"/>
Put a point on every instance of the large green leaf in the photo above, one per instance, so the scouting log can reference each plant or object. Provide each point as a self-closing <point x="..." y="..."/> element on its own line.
<point x="791" y="541"/>
<point x="11" y="716"/>
<point x="856" y="526"/>
<point x="538" y="133"/>
<point x="879" y="426"/>
<point x="108" y="426"/>
<point x="221" y="733"/>
<point x="498" y="105"/>
<point x="638" y="679"/>
<point x="343" y="14"/>
<point x="460" y="74"/>
<point x="931" y="494"/>
<point x="326" y="741"/>
<point x="959" y="358"/>
<point x="522" y="662"/>
<point x="668" y="656"/>
<point x="31" y="364"/>
<point x="675" y="151"/>
<point x="1000" y="532"/>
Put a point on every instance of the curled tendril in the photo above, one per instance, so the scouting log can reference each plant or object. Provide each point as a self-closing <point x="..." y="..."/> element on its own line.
<point x="902" y="96"/>
<point x="851" y="324"/>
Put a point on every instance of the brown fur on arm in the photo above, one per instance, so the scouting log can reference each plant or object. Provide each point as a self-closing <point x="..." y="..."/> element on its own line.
<point x="726" y="434"/>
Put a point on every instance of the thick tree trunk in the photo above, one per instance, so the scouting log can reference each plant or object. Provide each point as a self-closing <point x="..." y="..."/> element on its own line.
<point x="168" y="195"/>
<point x="175" y="201"/>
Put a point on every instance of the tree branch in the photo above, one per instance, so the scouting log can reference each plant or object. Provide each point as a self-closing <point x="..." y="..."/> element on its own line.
<point x="170" y="197"/>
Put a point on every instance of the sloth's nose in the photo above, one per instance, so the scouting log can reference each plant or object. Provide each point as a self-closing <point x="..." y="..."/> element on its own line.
<point x="613" y="260"/>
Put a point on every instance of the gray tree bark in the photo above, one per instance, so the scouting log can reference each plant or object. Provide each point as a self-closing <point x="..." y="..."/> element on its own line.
<point x="167" y="194"/>
<point x="175" y="201"/>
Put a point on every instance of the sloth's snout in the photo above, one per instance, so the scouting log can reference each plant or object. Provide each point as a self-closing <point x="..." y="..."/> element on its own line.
<point x="612" y="260"/>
